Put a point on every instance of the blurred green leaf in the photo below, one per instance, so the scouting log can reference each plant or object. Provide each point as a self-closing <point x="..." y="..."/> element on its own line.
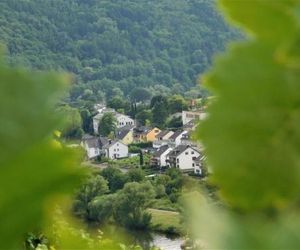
<point x="32" y="166"/>
<point x="269" y="20"/>
<point x="252" y="136"/>
<point x="252" y="133"/>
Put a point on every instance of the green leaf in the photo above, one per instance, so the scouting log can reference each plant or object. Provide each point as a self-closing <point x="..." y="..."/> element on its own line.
<point x="252" y="137"/>
<point x="32" y="167"/>
<point x="272" y="21"/>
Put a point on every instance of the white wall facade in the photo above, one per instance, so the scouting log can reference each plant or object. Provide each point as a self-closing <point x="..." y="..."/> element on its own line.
<point x="187" y="116"/>
<point x="123" y="120"/>
<point x="117" y="150"/>
<point x="177" y="140"/>
<point x="185" y="161"/>
<point x="197" y="169"/>
<point x="163" y="157"/>
<point x="91" y="152"/>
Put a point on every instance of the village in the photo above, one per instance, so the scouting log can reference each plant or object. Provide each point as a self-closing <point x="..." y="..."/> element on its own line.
<point x="167" y="148"/>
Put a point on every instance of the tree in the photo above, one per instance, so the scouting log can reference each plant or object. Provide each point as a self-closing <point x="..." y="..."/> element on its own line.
<point x="143" y="116"/>
<point x="118" y="102"/>
<point x="87" y="121"/>
<point x="141" y="158"/>
<point x="135" y="175"/>
<point x="158" y="99"/>
<point x="175" y="122"/>
<point x="116" y="179"/>
<point x="71" y="127"/>
<point x="140" y="95"/>
<point x="93" y="187"/>
<point x="176" y="103"/>
<point x="107" y="124"/>
<point x="101" y="208"/>
<point x="159" y="114"/>
<point x="131" y="204"/>
<point x="110" y="58"/>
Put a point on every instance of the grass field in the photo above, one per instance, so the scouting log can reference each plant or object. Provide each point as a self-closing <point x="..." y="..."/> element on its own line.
<point x="166" y="221"/>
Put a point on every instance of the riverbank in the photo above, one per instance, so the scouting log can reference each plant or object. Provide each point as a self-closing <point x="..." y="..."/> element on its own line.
<point x="166" y="222"/>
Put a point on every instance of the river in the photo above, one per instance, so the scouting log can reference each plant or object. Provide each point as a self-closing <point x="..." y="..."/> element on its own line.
<point x="144" y="239"/>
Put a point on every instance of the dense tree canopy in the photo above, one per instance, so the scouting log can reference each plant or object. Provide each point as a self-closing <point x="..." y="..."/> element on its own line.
<point x="71" y="127"/>
<point x="107" y="124"/>
<point x="115" y="44"/>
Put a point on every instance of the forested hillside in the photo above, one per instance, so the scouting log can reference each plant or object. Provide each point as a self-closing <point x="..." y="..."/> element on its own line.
<point x="111" y="44"/>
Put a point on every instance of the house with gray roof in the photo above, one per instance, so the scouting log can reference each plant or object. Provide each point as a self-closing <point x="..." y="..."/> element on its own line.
<point x="125" y="134"/>
<point x="159" y="157"/>
<point x="182" y="157"/>
<point x="115" y="149"/>
<point x="91" y="144"/>
<point x="175" y="139"/>
<point x="162" y="138"/>
<point x="103" y="146"/>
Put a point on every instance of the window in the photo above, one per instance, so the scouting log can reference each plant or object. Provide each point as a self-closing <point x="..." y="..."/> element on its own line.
<point x="186" y="153"/>
<point x="177" y="160"/>
<point x="192" y="152"/>
<point x="193" y="165"/>
<point x="115" y="150"/>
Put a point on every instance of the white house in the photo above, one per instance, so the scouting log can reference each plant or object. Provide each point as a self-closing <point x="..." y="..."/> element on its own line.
<point x="162" y="138"/>
<point x="183" y="157"/>
<point x="188" y="116"/>
<point x="115" y="149"/>
<point x="124" y="120"/>
<point x="175" y="139"/>
<point x="91" y="145"/>
<point x="159" y="158"/>
<point x="198" y="165"/>
<point x="164" y="135"/>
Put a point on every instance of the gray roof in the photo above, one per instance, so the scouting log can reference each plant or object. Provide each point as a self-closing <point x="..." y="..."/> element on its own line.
<point x="93" y="142"/>
<point x="111" y="143"/>
<point x="103" y="141"/>
<point x="176" y="134"/>
<point x="141" y="130"/>
<point x="190" y="124"/>
<point x="163" y="133"/>
<point x="180" y="149"/>
<point x="87" y="137"/>
<point x="160" y="151"/>
<point x="122" y="132"/>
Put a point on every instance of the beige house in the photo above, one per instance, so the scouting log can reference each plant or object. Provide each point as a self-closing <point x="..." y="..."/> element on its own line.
<point x="125" y="135"/>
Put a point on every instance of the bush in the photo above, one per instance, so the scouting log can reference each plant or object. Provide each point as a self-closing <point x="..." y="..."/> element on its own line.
<point x="142" y="144"/>
<point x="160" y="191"/>
<point x="135" y="175"/>
<point x="174" y="197"/>
<point x="134" y="149"/>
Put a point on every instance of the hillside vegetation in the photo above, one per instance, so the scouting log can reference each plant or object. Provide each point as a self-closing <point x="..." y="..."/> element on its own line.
<point x="112" y="44"/>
